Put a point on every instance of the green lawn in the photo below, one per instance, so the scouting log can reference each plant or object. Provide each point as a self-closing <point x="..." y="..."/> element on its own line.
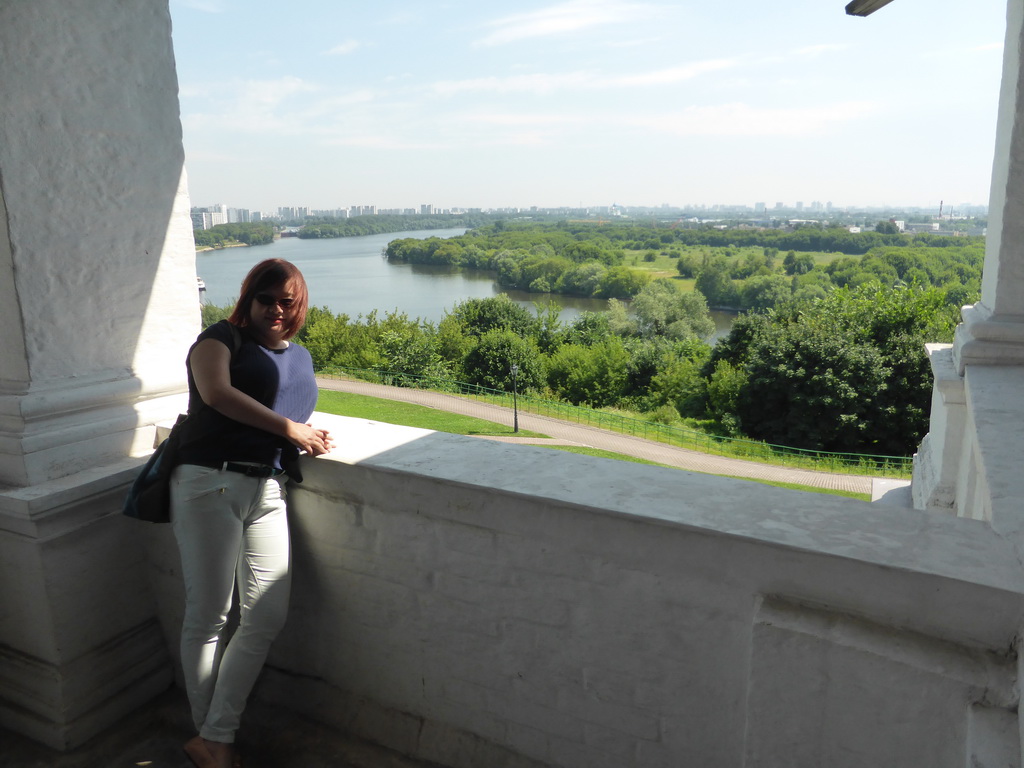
<point x="412" y="415"/>
<point x="664" y="264"/>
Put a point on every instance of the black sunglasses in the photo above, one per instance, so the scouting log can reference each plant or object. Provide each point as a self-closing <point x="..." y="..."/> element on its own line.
<point x="268" y="301"/>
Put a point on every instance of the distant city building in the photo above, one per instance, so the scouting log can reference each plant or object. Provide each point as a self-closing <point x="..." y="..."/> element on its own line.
<point x="426" y="210"/>
<point x="238" y="215"/>
<point x="204" y="218"/>
<point x="760" y="207"/>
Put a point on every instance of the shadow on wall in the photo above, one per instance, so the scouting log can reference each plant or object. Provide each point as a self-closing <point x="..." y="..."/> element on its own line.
<point x="100" y="271"/>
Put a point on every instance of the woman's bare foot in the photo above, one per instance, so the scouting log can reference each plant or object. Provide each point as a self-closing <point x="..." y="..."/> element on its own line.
<point x="210" y="754"/>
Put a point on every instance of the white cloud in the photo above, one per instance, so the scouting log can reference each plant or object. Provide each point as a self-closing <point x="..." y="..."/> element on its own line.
<point x="540" y="83"/>
<point x="251" y="106"/>
<point x="344" y="48"/>
<point x="719" y="120"/>
<point x="567" y="17"/>
<point x="817" y="50"/>
<point x="518" y="119"/>
<point x="672" y="74"/>
<point x="536" y="83"/>
<point x="745" y="120"/>
<point x="379" y="141"/>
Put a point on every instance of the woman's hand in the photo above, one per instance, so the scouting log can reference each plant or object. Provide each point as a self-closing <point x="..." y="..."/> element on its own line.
<point x="309" y="439"/>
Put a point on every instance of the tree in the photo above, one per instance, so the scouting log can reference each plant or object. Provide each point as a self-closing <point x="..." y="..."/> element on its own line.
<point x="588" y="329"/>
<point x="662" y="309"/>
<point x="581" y="280"/>
<point x="594" y="375"/>
<point x="849" y="375"/>
<point x="408" y="349"/>
<point x="723" y="394"/>
<point x="765" y="291"/>
<point x="687" y="265"/>
<point x="621" y="283"/>
<point x="887" y="228"/>
<point x="489" y="363"/>
<point x="714" y="283"/>
<point x="334" y="341"/>
<point x="680" y="385"/>
<point x="808" y="387"/>
<point x="477" y="316"/>
<point x="798" y="264"/>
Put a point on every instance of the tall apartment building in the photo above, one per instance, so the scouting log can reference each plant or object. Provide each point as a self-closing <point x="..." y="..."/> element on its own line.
<point x="288" y="213"/>
<point x="211" y="216"/>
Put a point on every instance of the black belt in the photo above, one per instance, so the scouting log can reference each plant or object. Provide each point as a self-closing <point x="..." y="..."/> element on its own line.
<point x="249" y="470"/>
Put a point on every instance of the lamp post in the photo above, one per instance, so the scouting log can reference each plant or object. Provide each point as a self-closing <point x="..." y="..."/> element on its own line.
<point x="515" y="399"/>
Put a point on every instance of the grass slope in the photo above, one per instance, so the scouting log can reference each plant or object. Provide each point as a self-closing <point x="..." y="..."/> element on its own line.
<point x="412" y="415"/>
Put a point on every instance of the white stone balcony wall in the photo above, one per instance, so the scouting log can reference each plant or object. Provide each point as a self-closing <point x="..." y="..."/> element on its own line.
<point x="475" y="603"/>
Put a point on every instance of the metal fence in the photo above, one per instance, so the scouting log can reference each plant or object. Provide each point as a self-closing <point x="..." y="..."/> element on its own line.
<point x="853" y="463"/>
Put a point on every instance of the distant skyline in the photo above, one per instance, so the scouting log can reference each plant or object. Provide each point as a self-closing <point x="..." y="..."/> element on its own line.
<point x="397" y="104"/>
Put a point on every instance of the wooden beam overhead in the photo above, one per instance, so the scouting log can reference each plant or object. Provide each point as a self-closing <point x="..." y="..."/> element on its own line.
<point x="865" y="7"/>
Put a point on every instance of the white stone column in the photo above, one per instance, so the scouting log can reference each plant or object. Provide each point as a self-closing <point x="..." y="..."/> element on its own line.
<point x="968" y="462"/>
<point x="98" y="303"/>
<point x="993" y="329"/>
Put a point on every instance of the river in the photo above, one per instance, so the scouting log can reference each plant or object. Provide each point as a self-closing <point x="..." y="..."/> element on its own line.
<point x="349" y="275"/>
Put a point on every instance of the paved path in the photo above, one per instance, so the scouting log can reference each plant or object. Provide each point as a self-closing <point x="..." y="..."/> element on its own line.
<point x="568" y="433"/>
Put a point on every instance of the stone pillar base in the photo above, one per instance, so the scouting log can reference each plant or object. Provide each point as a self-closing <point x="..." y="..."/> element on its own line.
<point x="81" y="646"/>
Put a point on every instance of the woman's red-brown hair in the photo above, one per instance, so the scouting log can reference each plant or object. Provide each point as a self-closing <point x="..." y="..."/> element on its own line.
<point x="269" y="274"/>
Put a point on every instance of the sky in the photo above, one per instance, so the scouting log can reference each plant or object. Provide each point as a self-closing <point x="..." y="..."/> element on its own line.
<point x="460" y="104"/>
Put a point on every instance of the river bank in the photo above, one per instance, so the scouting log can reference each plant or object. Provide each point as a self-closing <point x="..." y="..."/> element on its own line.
<point x="204" y="248"/>
<point x="350" y="276"/>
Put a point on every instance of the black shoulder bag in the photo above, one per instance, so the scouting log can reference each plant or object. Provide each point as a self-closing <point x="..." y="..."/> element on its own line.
<point x="149" y="498"/>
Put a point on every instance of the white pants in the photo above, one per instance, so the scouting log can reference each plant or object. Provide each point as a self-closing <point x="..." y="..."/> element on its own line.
<point x="228" y="526"/>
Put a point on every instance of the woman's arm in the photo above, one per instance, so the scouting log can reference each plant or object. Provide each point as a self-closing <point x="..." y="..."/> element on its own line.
<point x="210" y="361"/>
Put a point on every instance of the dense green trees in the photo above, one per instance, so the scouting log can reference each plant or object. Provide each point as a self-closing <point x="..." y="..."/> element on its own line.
<point x="662" y="309"/>
<point x="842" y="373"/>
<point x="320" y="227"/>
<point x="223" y="234"/>
<point x="830" y="355"/>
<point x="732" y="268"/>
<point x="845" y="373"/>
